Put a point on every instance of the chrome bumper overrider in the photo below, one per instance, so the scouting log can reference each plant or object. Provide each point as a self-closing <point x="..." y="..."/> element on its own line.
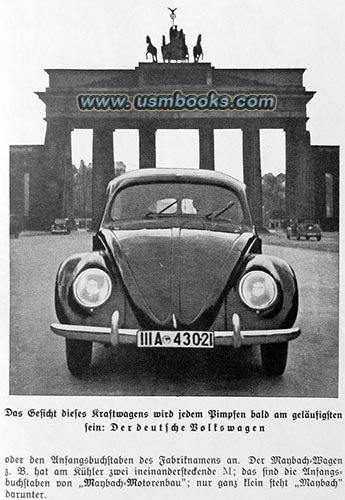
<point x="114" y="335"/>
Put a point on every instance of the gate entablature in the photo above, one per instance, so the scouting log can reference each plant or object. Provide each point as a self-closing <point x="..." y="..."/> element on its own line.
<point x="66" y="85"/>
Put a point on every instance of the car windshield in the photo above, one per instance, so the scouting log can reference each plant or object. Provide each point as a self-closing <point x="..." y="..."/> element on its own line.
<point x="185" y="201"/>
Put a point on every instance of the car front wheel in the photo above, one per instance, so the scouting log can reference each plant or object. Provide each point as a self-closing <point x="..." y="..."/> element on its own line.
<point x="78" y="354"/>
<point x="274" y="358"/>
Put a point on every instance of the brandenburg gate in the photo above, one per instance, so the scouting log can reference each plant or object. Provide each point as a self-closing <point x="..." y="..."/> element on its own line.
<point x="63" y="114"/>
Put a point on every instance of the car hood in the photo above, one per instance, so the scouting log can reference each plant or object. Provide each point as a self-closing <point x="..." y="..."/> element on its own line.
<point x="176" y="276"/>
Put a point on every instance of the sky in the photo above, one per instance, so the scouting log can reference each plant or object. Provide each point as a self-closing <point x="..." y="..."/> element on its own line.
<point x="110" y="34"/>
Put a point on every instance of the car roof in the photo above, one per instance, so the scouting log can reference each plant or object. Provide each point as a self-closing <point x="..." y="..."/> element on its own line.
<point x="147" y="175"/>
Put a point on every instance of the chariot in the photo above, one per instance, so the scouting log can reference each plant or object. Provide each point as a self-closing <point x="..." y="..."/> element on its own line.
<point x="176" y="49"/>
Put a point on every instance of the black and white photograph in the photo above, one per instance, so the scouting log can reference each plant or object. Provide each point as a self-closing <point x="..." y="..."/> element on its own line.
<point x="176" y="248"/>
<point x="172" y="217"/>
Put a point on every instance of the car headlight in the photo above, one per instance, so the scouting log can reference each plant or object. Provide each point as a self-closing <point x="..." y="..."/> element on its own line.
<point x="258" y="290"/>
<point x="92" y="287"/>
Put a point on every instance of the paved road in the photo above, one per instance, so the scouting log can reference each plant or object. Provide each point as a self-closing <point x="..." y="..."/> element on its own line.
<point x="38" y="359"/>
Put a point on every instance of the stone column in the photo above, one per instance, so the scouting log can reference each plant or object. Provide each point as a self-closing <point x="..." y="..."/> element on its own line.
<point x="291" y="161"/>
<point x="206" y="148"/>
<point x="68" y="181"/>
<point x="300" y="182"/>
<point x="58" y="199"/>
<point x="102" y="170"/>
<point x="252" y="171"/>
<point x="147" y="147"/>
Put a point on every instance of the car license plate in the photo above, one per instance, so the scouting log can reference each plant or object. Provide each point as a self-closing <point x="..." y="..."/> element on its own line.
<point x="155" y="338"/>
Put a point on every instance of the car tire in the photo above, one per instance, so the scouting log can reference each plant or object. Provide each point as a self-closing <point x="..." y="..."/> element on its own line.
<point x="274" y="358"/>
<point x="78" y="355"/>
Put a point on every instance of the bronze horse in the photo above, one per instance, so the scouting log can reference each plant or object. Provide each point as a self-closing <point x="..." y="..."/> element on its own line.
<point x="197" y="50"/>
<point x="151" y="49"/>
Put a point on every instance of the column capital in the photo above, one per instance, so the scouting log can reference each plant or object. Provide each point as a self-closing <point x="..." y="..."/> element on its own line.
<point x="250" y="127"/>
<point x="147" y="127"/>
<point x="253" y="127"/>
<point x="295" y="125"/>
<point x="61" y="123"/>
<point x="206" y="127"/>
<point x="103" y="128"/>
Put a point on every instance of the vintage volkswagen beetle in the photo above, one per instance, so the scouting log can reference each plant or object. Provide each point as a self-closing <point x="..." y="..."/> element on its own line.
<point x="176" y="262"/>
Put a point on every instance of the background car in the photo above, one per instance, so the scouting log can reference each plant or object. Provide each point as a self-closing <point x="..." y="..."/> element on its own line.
<point x="306" y="228"/>
<point x="60" y="226"/>
<point x="176" y="263"/>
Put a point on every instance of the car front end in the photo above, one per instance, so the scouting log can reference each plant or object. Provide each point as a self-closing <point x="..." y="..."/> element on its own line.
<point x="182" y="276"/>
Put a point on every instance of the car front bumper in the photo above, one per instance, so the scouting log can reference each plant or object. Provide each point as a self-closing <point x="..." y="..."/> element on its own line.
<point x="114" y="335"/>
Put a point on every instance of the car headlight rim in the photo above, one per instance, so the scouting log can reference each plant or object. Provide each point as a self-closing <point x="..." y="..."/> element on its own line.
<point x="92" y="288"/>
<point x="258" y="290"/>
